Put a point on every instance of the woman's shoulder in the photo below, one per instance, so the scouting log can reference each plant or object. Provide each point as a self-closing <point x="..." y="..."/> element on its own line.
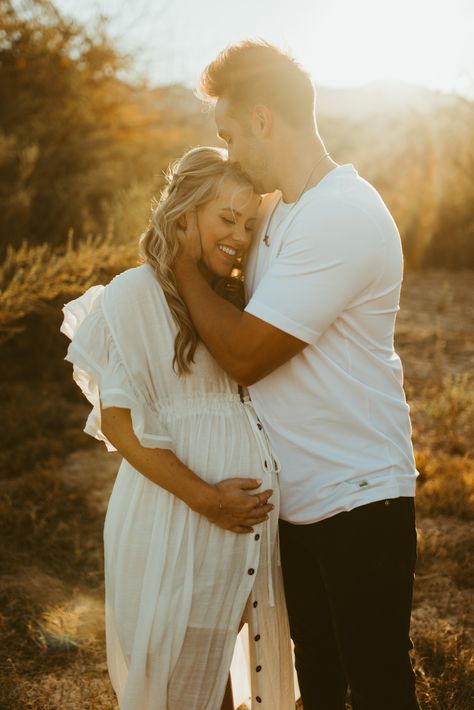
<point x="135" y="277"/>
<point x="135" y="285"/>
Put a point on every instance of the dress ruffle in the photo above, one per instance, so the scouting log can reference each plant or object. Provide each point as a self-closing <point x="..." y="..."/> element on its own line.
<point x="101" y="374"/>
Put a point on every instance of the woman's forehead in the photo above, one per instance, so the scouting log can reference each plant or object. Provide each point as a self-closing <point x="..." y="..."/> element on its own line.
<point x="237" y="197"/>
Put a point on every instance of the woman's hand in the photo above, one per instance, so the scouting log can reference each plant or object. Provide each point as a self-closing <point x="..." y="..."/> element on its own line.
<point x="227" y="504"/>
<point x="236" y="509"/>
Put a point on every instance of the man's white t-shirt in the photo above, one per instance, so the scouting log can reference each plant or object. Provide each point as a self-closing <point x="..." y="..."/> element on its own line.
<point x="335" y="413"/>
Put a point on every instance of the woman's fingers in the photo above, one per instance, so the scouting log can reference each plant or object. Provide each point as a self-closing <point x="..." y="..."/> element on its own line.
<point x="241" y="530"/>
<point x="261" y="511"/>
<point x="253" y="518"/>
<point x="239" y="510"/>
<point x="262" y="498"/>
<point x="248" y="483"/>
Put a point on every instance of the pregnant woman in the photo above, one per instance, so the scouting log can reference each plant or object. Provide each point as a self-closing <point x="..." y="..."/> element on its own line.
<point x="191" y="531"/>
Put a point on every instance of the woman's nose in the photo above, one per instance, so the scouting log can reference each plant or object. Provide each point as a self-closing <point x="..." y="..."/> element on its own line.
<point x="242" y="235"/>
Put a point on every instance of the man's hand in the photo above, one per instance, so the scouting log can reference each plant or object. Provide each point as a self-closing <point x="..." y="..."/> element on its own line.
<point x="237" y="510"/>
<point x="190" y="240"/>
<point x="245" y="346"/>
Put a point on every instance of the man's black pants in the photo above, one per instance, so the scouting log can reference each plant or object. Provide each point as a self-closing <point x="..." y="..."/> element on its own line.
<point x="348" y="585"/>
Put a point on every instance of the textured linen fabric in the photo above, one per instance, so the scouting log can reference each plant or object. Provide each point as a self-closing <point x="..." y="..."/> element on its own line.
<point x="336" y="413"/>
<point x="177" y="586"/>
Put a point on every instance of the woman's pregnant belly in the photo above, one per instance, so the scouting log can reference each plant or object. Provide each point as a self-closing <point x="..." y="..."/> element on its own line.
<point x="219" y="445"/>
<point x="148" y="531"/>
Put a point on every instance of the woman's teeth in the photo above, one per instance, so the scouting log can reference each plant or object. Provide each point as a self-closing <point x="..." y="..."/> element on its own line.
<point x="228" y="250"/>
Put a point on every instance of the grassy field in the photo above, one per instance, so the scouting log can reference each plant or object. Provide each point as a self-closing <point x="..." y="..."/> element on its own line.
<point x="55" y="484"/>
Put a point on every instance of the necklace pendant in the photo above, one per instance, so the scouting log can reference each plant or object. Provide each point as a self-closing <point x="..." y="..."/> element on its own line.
<point x="266" y="240"/>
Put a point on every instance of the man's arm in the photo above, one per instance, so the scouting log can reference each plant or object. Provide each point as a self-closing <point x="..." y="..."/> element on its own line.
<point x="246" y="347"/>
<point x="327" y="266"/>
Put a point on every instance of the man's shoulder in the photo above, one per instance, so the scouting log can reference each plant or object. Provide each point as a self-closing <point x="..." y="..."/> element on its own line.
<point x="349" y="205"/>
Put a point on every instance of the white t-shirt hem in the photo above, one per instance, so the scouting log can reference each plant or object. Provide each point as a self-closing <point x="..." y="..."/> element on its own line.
<point x="398" y="489"/>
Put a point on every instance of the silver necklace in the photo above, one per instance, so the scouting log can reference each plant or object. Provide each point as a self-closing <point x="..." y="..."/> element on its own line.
<point x="266" y="238"/>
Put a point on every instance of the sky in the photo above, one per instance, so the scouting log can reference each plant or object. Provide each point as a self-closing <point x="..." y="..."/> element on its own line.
<point x="343" y="43"/>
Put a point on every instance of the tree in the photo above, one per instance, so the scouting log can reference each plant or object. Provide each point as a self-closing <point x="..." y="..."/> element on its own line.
<point x="64" y="125"/>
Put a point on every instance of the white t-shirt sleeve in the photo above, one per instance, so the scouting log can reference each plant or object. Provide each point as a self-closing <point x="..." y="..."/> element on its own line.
<point x="324" y="265"/>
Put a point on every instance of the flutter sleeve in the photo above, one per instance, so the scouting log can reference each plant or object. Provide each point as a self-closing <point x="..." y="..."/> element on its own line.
<point x="102" y="373"/>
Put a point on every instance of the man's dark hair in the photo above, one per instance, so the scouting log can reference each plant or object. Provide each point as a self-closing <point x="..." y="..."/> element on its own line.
<point x="253" y="72"/>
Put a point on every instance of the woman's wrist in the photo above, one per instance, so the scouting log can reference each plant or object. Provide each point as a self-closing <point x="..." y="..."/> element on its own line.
<point x="205" y="500"/>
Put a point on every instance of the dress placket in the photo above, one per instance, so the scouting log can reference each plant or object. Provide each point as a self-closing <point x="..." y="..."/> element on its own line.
<point x="270" y="466"/>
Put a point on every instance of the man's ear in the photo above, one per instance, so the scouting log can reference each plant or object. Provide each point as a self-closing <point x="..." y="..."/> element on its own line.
<point x="182" y="221"/>
<point x="262" y="120"/>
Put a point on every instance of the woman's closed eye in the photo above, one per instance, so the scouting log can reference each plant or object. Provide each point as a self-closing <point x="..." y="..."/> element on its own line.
<point x="228" y="221"/>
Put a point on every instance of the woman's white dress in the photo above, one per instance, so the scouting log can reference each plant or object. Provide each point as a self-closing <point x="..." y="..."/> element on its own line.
<point x="177" y="586"/>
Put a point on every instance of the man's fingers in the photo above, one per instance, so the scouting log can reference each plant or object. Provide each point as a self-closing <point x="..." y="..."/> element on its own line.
<point x="191" y="221"/>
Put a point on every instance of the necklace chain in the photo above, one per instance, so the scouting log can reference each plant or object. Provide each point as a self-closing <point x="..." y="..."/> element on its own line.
<point x="266" y="239"/>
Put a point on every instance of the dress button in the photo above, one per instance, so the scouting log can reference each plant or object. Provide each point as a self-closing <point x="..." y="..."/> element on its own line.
<point x="258" y="669"/>
<point x="259" y="425"/>
<point x="387" y="502"/>
<point x="257" y="637"/>
<point x="257" y="537"/>
<point x="251" y="570"/>
<point x="255" y="605"/>
<point x="258" y="699"/>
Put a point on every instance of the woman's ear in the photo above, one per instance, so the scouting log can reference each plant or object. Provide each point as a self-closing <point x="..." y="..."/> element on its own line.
<point x="182" y="221"/>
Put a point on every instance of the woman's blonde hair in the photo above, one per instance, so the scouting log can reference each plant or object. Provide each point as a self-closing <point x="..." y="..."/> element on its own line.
<point x="192" y="181"/>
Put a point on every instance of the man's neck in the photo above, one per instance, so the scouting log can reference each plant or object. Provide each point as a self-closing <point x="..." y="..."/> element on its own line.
<point x="302" y="166"/>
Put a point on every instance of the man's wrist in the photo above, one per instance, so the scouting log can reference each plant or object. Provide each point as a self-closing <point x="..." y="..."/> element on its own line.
<point x="184" y="268"/>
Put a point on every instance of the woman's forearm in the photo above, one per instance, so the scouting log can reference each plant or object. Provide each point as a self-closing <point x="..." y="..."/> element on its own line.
<point x="161" y="466"/>
<point x="229" y="503"/>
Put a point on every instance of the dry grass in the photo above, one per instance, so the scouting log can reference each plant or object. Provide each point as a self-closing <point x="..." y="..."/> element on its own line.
<point x="42" y="409"/>
<point x="445" y="668"/>
<point x="52" y="505"/>
<point x="32" y="277"/>
<point x="445" y="484"/>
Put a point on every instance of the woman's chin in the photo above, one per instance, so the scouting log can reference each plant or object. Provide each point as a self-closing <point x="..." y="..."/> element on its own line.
<point x="213" y="274"/>
<point x="217" y="271"/>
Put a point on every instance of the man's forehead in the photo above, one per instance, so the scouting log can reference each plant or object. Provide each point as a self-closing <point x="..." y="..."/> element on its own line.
<point x="225" y="117"/>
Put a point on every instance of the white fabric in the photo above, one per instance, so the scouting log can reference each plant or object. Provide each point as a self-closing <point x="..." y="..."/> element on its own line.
<point x="177" y="585"/>
<point x="336" y="413"/>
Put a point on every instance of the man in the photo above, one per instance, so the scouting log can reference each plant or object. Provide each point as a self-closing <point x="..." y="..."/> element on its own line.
<point x="315" y="347"/>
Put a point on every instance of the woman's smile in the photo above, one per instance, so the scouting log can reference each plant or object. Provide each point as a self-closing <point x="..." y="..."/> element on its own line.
<point x="226" y="226"/>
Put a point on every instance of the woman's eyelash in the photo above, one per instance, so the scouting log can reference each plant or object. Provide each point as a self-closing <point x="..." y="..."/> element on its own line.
<point x="228" y="221"/>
